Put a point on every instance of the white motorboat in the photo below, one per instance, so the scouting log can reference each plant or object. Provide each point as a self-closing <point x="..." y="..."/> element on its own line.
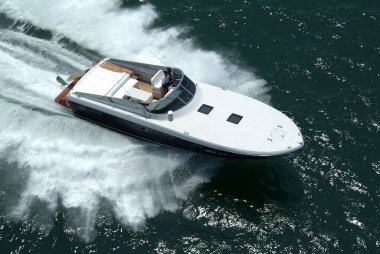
<point x="131" y="98"/>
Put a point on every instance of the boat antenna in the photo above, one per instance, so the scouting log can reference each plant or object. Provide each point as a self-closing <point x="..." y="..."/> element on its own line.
<point x="159" y="59"/>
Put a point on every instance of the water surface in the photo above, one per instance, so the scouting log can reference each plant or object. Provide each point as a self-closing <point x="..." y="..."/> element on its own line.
<point x="67" y="185"/>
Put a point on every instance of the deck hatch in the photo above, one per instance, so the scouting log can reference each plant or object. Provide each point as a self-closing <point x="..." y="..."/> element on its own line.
<point x="205" y="109"/>
<point x="234" y="118"/>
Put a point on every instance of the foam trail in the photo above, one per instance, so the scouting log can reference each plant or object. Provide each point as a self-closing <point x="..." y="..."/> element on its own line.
<point x="28" y="68"/>
<point x="124" y="33"/>
<point x="58" y="153"/>
<point x="61" y="157"/>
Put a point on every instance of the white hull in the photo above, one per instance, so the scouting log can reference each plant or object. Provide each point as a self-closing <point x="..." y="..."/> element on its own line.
<point x="259" y="130"/>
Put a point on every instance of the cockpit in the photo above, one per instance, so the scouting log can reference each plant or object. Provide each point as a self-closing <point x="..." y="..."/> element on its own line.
<point x="136" y="86"/>
<point x="180" y="93"/>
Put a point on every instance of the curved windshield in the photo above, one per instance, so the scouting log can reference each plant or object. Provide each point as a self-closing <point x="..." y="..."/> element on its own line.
<point x="176" y="98"/>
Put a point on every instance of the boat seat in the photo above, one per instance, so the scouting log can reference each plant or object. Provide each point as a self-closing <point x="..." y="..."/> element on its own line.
<point x="118" y="85"/>
<point x="129" y="89"/>
<point x="138" y="94"/>
<point x="131" y="82"/>
<point x="156" y="82"/>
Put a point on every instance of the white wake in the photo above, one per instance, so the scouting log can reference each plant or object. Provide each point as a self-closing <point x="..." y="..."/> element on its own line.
<point x="74" y="161"/>
<point x="125" y="34"/>
<point x="71" y="160"/>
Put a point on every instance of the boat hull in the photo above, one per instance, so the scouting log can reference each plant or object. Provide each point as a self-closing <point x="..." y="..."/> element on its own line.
<point x="146" y="133"/>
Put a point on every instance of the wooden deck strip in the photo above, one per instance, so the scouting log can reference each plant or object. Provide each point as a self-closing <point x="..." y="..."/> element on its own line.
<point x="61" y="98"/>
<point x="116" y="68"/>
<point x="144" y="86"/>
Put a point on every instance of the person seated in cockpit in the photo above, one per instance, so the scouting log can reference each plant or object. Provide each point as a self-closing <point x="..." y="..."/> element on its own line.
<point x="165" y="82"/>
<point x="171" y="76"/>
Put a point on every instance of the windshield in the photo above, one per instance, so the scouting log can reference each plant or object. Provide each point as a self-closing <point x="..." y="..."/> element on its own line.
<point x="176" y="98"/>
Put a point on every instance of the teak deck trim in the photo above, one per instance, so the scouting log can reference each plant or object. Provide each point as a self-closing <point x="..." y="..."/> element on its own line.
<point x="62" y="97"/>
<point x="116" y="68"/>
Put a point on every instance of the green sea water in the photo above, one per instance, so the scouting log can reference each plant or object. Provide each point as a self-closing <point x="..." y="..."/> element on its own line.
<point x="68" y="186"/>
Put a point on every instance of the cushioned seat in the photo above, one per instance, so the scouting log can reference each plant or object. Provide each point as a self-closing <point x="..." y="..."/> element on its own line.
<point x="156" y="82"/>
<point x="118" y="85"/>
<point x="129" y="84"/>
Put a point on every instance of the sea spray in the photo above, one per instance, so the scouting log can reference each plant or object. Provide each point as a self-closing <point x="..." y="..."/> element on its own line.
<point x="128" y="34"/>
<point x="78" y="164"/>
<point x="73" y="162"/>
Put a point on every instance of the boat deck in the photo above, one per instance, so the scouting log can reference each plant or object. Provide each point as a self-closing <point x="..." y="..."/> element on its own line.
<point x="140" y="85"/>
<point x="116" y="68"/>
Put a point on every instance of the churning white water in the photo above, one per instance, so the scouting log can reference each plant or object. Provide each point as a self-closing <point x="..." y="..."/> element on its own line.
<point x="76" y="162"/>
<point x="72" y="160"/>
<point x="124" y="33"/>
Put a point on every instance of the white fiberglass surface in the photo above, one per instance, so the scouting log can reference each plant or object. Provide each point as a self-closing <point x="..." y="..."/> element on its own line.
<point x="255" y="132"/>
<point x="98" y="81"/>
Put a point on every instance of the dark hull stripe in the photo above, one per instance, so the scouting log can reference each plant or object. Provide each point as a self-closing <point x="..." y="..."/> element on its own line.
<point x="148" y="134"/>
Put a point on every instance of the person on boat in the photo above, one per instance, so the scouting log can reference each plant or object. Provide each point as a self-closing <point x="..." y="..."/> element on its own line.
<point x="171" y="76"/>
<point x="165" y="82"/>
